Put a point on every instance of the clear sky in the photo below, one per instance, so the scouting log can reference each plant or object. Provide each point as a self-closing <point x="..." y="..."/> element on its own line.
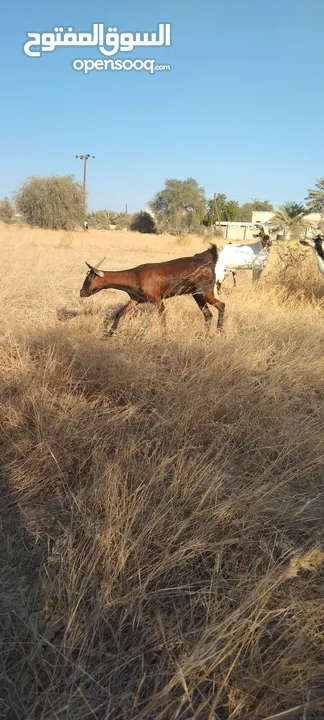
<point x="241" y="110"/>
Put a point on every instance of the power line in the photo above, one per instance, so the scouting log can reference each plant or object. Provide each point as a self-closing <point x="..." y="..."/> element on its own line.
<point x="258" y="199"/>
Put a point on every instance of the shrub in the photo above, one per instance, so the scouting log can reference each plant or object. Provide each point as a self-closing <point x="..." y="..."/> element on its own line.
<point x="144" y="222"/>
<point x="124" y="220"/>
<point x="296" y="274"/>
<point x="102" y="219"/>
<point x="6" y="210"/>
<point x="52" y="202"/>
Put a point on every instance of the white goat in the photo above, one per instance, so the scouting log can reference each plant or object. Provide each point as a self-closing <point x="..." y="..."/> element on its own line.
<point x="318" y="246"/>
<point x="253" y="257"/>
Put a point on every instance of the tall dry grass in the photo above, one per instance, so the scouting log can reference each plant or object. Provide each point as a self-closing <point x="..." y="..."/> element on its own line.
<point x="162" y="493"/>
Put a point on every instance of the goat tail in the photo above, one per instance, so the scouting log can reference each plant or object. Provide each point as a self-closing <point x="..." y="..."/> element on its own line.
<point x="220" y="272"/>
<point x="214" y="252"/>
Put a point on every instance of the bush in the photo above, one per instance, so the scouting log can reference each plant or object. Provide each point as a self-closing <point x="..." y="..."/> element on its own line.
<point x="296" y="274"/>
<point x="102" y="219"/>
<point x="124" y="220"/>
<point x="143" y="222"/>
<point x="52" y="202"/>
<point x="179" y="225"/>
<point x="6" y="210"/>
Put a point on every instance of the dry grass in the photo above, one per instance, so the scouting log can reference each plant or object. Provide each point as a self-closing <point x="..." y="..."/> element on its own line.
<point x="162" y="495"/>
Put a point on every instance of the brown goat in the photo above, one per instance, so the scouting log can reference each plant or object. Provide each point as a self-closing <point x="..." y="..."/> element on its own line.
<point x="154" y="282"/>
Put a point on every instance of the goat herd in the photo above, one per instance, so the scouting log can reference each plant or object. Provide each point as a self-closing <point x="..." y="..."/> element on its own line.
<point x="199" y="275"/>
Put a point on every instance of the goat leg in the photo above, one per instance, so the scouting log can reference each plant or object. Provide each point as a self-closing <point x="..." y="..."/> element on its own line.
<point x="201" y="302"/>
<point x="161" y="311"/>
<point x="210" y="298"/>
<point x="125" y="309"/>
<point x="256" y="274"/>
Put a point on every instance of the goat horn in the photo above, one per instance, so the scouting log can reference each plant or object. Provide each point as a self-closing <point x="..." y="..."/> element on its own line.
<point x="95" y="267"/>
<point x="101" y="261"/>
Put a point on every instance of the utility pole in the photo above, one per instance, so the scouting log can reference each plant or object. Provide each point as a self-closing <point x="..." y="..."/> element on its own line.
<point x="215" y="207"/>
<point x="84" y="158"/>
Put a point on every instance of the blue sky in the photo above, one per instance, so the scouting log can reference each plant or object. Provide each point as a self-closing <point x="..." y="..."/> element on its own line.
<point x="241" y="110"/>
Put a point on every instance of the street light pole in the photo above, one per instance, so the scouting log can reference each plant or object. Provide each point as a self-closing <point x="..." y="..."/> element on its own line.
<point x="84" y="158"/>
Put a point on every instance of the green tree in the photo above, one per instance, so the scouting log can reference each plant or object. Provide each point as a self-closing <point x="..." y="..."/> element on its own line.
<point x="290" y="218"/>
<point x="245" y="211"/>
<point x="182" y="203"/>
<point x="315" y="198"/>
<point x="51" y="202"/>
<point x="227" y="210"/>
<point x="6" y="210"/>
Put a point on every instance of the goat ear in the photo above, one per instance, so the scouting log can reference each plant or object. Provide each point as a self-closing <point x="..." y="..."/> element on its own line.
<point x="97" y="272"/>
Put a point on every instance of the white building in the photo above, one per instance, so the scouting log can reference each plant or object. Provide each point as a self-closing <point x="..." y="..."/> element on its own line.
<point x="246" y="230"/>
<point x="310" y="221"/>
<point x="237" y="230"/>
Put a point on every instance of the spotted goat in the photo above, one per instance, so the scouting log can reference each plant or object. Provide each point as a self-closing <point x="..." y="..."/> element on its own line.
<point x="254" y="256"/>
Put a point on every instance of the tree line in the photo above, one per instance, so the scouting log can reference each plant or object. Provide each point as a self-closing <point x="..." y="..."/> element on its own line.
<point x="180" y="207"/>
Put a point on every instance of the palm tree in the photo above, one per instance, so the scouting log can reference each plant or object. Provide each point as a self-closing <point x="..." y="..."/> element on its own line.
<point x="289" y="218"/>
<point x="315" y="198"/>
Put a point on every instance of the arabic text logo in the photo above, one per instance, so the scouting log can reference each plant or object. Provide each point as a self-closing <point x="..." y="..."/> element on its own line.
<point x="109" y="43"/>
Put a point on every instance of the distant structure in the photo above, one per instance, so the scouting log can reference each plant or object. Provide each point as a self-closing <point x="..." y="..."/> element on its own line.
<point x="310" y="221"/>
<point x="236" y="230"/>
<point x="245" y="230"/>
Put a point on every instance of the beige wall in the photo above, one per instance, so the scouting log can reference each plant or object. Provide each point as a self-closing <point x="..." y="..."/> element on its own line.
<point x="261" y="216"/>
<point x="313" y="217"/>
<point x="237" y="232"/>
<point x="309" y="223"/>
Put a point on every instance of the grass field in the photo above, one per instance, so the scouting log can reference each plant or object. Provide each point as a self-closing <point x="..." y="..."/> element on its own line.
<point x="162" y="499"/>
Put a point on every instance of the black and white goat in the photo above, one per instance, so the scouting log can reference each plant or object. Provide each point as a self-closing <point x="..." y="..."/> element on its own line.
<point x="318" y="246"/>
<point x="254" y="256"/>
